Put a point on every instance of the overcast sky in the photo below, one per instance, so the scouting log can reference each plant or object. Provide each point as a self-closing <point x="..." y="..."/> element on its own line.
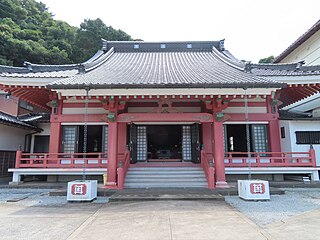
<point x="252" y="29"/>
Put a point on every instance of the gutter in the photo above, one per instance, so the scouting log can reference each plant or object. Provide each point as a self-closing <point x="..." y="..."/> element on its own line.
<point x="163" y="86"/>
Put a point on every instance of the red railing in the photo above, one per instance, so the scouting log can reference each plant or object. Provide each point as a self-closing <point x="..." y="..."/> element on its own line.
<point x="271" y="159"/>
<point x="208" y="169"/>
<point x="122" y="169"/>
<point x="60" y="160"/>
<point x="232" y="159"/>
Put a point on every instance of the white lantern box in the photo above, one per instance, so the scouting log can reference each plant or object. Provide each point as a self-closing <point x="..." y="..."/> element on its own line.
<point x="253" y="189"/>
<point x="80" y="190"/>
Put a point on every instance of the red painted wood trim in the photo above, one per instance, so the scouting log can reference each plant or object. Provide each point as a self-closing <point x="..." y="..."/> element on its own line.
<point x="165" y="117"/>
<point x="175" y="103"/>
<point x="250" y="104"/>
<point x="75" y="118"/>
<point x="81" y="105"/>
<point x="253" y="117"/>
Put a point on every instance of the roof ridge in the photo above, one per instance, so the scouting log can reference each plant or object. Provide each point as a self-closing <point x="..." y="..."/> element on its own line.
<point x="315" y="27"/>
<point x="227" y="60"/>
<point x="297" y="66"/>
<point x="8" y="119"/>
<point x="94" y="64"/>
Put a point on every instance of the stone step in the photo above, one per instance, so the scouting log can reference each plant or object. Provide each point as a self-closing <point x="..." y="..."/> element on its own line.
<point x="165" y="180"/>
<point x="165" y="169"/>
<point x="146" y="176"/>
<point x="165" y="185"/>
<point x="164" y="173"/>
<point x="165" y="177"/>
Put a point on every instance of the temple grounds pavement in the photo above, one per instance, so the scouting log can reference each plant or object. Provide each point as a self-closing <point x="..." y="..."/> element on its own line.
<point x="33" y="214"/>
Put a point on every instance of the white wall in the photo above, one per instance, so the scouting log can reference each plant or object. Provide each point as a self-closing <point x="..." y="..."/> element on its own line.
<point x="11" y="138"/>
<point x="285" y="142"/>
<point x="309" y="51"/>
<point x="288" y="144"/>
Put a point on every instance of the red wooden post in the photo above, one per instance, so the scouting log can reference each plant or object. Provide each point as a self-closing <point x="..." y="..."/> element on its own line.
<point x="122" y="138"/>
<point x="18" y="158"/>
<point x="219" y="155"/>
<point x="207" y="138"/>
<point x="313" y="156"/>
<point x="55" y="128"/>
<point x="54" y="144"/>
<point x="120" y="178"/>
<point x="211" y="178"/>
<point x="274" y="136"/>
<point x="112" y="154"/>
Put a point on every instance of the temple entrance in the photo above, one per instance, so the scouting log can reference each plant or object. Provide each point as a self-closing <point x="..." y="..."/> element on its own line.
<point x="164" y="143"/>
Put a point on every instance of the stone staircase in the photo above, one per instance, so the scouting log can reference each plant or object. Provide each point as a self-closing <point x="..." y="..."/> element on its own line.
<point x="165" y="177"/>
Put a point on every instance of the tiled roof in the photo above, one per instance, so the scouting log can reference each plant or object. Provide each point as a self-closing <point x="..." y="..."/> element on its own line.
<point x="315" y="28"/>
<point x="14" y="121"/>
<point x="31" y="70"/>
<point x="165" y="64"/>
<point x="287" y="115"/>
<point x="35" y="117"/>
<point x="39" y="71"/>
<point x="292" y="69"/>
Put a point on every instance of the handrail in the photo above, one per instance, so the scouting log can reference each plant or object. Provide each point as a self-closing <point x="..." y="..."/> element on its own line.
<point x="122" y="169"/>
<point x="270" y="159"/>
<point x="208" y="169"/>
<point x="60" y="160"/>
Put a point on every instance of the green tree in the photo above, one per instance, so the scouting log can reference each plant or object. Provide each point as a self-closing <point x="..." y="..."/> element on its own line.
<point x="28" y="32"/>
<point x="89" y="38"/>
<point x="269" y="59"/>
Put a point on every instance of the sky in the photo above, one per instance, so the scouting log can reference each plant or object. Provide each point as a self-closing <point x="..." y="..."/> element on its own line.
<point x="252" y="29"/>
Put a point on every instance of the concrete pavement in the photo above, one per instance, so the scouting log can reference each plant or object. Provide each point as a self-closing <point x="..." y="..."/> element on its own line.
<point x="179" y="220"/>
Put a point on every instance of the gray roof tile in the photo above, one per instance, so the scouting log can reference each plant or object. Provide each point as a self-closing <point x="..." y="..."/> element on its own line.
<point x="291" y="69"/>
<point x="177" y="65"/>
<point x="14" y="121"/>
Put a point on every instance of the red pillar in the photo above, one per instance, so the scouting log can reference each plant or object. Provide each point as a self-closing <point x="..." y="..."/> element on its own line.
<point x="55" y="129"/>
<point x="218" y="155"/>
<point x="55" y="135"/>
<point x="207" y="137"/>
<point x="18" y="158"/>
<point x="273" y="127"/>
<point x="122" y="138"/>
<point x="112" y="153"/>
<point x="274" y="136"/>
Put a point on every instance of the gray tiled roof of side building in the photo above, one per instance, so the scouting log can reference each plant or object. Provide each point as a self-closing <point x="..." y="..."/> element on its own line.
<point x="39" y="71"/>
<point x="31" y="70"/>
<point x="290" y="69"/>
<point x="14" y="121"/>
<point x="35" y="117"/>
<point x="165" y="64"/>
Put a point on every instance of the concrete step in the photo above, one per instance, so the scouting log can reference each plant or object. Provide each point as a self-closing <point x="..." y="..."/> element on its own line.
<point x="164" y="168"/>
<point x="173" y="180"/>
<point x="175" y="176"/>
<point x="163" y="173"/>
<point x="165" y="177"/>
<point x="165" y="184"/>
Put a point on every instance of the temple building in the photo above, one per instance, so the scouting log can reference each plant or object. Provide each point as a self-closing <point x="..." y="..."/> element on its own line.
<point x="158" y="114"/>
